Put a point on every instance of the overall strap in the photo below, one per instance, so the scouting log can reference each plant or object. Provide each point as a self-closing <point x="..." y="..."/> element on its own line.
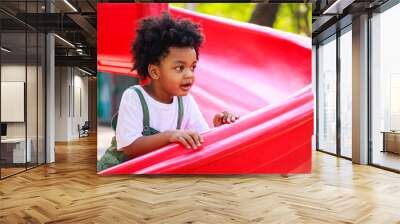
<point x="145" y="109"/>
<point x="180" y="113"/>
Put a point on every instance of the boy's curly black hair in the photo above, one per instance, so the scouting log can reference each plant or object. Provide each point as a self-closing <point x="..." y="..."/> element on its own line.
<point x="156" y="34"/>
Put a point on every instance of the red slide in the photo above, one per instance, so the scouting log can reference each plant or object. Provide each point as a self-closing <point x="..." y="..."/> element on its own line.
<point x="260" y="73"/>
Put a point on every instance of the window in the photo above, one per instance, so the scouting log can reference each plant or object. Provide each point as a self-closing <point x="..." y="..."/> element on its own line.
<point x="327" y="96"/>
<point x="385" y="89"/>
<point x="346" y="93"/>
<point x="22" y="76"/>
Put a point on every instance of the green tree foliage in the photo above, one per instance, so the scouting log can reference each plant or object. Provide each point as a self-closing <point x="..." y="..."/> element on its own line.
<point x="294" y="18"/>
<point x="237" y="11"/>
<point x="291" y="17"/>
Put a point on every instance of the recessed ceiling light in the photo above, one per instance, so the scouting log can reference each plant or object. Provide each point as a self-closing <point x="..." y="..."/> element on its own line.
<point x="64" y="40"/>
<point x="5" y="50"/>
<point x="86" y="72"/>
<point x="70" y="5"/>
<point x="337" y="7"/>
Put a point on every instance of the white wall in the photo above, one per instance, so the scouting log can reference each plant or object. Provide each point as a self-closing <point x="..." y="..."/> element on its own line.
<point x="33" y="127"/>
<point x="81" y="100"/>
<point x="12" y="73"/>
<point x="71" y="93"/>
<point x="62" y="81"/>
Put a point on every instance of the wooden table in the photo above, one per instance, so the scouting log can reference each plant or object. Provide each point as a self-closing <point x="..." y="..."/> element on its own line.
<point x="391" y="141"/>
<point x="13" y="150"/>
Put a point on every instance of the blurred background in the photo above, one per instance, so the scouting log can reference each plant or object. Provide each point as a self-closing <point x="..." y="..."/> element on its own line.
<point x="289" y="17"/>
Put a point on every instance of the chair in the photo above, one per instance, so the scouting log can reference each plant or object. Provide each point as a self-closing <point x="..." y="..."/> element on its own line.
<point x="84" y="130"/>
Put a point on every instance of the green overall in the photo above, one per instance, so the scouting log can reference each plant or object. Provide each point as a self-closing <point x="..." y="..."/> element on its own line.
<point x="114" y="157"/>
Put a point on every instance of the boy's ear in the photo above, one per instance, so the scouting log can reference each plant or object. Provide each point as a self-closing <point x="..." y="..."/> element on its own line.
<point x="153" y="71"/>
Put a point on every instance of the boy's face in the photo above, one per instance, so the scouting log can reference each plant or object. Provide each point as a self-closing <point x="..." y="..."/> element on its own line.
<point x="176" y="71"/>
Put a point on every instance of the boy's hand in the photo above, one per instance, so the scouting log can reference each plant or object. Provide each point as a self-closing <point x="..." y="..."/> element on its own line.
<point x="189" y="139"/>
<point x="224" y="118"/>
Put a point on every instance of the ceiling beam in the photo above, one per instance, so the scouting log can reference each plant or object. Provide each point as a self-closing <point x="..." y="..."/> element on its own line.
<point x="337" y="7"/>
<point x="84" y="24"/>
<point x="81" y="61"/>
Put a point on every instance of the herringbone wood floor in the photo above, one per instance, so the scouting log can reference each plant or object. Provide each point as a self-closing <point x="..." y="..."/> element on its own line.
<point x="70" y="191"/>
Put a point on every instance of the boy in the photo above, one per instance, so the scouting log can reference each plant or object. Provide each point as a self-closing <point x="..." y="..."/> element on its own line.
<point x="166" y="52"/>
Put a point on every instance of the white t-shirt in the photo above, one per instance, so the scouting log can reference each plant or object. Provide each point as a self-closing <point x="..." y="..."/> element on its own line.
<point x="163" y="117"/>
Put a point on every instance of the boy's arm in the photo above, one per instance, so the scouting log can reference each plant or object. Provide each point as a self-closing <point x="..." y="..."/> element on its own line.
<point x="146" y="144"/>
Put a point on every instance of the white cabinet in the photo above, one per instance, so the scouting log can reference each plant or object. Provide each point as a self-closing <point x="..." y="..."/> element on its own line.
<point x="16" y="147"/>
